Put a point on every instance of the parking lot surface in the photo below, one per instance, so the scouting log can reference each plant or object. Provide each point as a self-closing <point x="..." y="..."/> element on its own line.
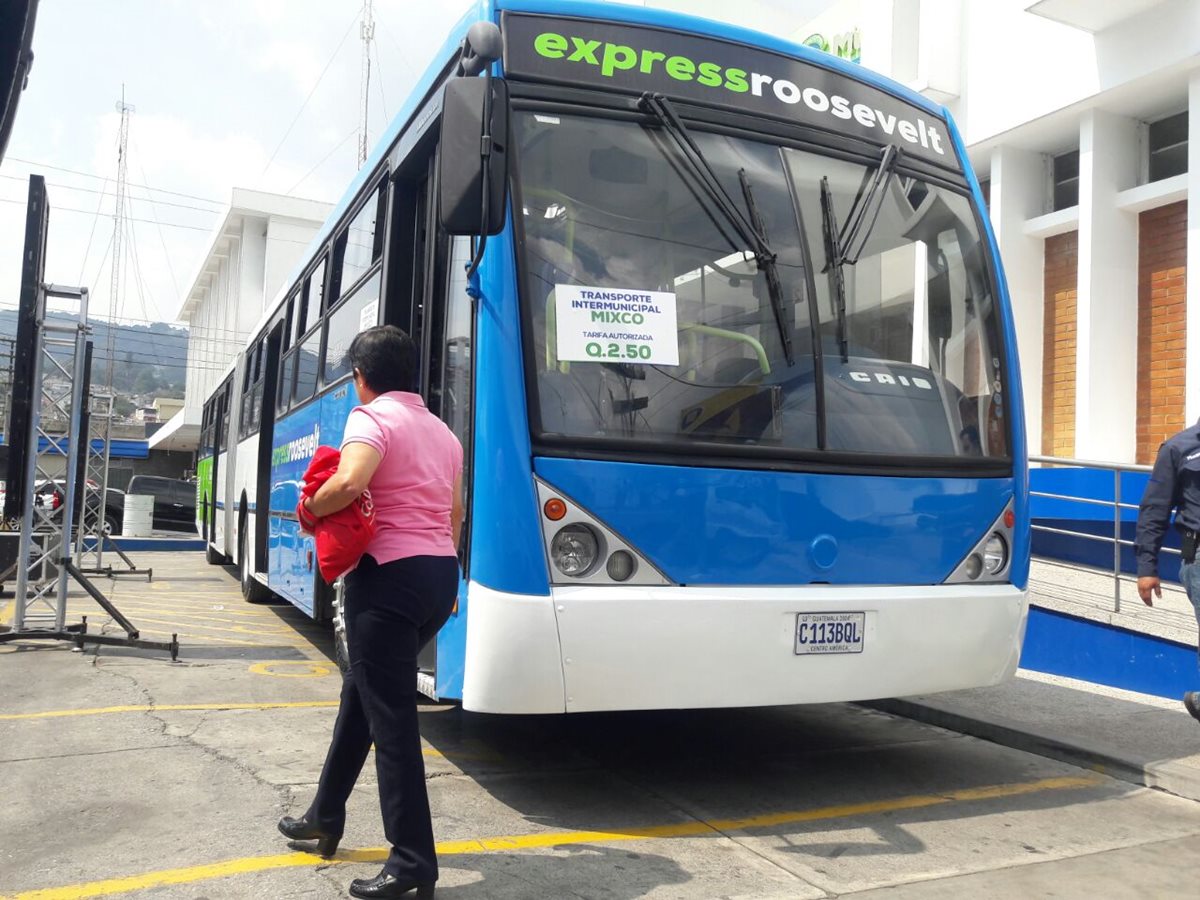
<point x="127" y="774"/>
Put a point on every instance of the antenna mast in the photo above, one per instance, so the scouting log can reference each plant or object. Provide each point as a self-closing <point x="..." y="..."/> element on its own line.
<point x="102" y="400"/>
<point x="118" y="231"/>
<point x="367" y="33"/>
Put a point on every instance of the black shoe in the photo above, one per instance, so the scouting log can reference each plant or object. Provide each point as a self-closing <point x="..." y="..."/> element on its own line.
<point x="384" y="885"/>
<point x="1191" y="702"/>
<point x="303" y="830"/>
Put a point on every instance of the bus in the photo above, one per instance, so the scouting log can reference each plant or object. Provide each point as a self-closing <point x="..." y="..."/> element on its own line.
<point x="721" y="323"/>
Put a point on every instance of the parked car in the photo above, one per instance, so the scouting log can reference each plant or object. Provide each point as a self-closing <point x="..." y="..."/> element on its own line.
<point x="174" y="501"/>
<point x="53" y="493"/>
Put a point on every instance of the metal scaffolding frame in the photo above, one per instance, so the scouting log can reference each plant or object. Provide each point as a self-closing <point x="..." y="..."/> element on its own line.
<point x="46" y="560"/>
<point x="94" y="537"/>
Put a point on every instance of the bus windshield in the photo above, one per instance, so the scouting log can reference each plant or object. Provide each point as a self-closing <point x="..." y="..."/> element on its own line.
<point x="654" y="322"/>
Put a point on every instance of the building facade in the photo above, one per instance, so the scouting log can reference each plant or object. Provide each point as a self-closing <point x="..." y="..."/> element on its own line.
<point x="260" y="239"/>
<point x="1090" y="156"/>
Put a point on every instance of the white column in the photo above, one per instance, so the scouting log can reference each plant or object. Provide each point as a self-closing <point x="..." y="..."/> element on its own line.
<point x="1018" y="194"/>
<point x="1192" y="394"/>
<point x="1106" y="365"/>
<point x="252" y="258"/>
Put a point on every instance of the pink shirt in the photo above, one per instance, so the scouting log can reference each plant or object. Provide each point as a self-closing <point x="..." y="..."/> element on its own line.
<point x="413" y="487"/>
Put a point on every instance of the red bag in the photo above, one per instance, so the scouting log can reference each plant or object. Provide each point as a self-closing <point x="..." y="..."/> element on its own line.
<point x="342" y="537"/>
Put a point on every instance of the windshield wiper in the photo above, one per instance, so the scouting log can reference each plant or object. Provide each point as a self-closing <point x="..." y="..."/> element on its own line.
<point x="750" y="231"/>
<point x="854" y="238"/>
<point x="833" y="265"/>
<point x="843" y="248"/>
<point x="766" y="263"/>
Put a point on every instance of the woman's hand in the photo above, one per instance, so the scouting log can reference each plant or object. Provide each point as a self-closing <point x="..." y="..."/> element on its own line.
<point x="308" y="522"/>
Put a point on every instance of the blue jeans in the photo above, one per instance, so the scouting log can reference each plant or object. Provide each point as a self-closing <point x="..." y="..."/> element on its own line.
<point x="1189" y="577"/>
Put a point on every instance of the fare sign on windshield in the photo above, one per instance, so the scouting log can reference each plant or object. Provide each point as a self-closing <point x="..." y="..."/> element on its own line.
<point x="633" y="59"/>
<point x="598" y="324"/>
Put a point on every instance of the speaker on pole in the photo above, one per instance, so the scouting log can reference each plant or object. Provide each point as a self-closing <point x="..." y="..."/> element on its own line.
<point x="30" y="312"/>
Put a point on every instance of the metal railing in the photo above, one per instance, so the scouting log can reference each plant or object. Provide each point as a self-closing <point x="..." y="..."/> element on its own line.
<point x="1117" y="469"/>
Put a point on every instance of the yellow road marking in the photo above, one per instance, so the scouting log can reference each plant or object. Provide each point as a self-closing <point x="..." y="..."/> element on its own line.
<point x="137" y="612"/>
<point x="164" y="707"/>
<point x="6" y="614"/>
<point x="504" y="843"/>
<point x="215" y="640"/>
<point x="185" y="609"/>
<point x="314" y="670"/>
<point x="238" y="629"/>
<point x="216" y="615"/>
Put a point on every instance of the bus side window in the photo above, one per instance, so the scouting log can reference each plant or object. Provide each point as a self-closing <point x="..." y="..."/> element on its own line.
<point x="449" y="358"/>
<point x="289" y="324"/>
<point x="222" y="438"/>
<point x="359" y="246"/>
<point x="307" y="367"/>
<point x="354" y="314"/>
<point x="287" y="376"/>
<point x="314" y="290"/>
<point x="406" y="262"/>
<point x="453" y="378"/>
<point x="244" y="411"/>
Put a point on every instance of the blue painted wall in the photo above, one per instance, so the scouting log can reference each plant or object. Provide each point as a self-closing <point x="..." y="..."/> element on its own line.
<point x="1060" y="644"/>
<point x="1067" y="515"/>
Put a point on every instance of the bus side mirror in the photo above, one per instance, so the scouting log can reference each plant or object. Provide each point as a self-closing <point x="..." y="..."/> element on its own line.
<point x="474" y="152"/>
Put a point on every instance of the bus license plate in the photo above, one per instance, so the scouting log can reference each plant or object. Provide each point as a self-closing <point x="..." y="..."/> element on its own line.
<point x="840" y="632"/>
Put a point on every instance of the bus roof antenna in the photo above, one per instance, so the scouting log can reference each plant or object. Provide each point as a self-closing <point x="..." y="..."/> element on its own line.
<point x="482" y="45"/>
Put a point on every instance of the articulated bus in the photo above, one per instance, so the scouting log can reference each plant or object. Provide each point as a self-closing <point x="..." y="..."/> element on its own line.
<point x="721" y="324"/>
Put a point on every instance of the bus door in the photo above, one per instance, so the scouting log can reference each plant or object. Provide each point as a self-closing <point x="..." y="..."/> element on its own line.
<point x="411" y="261"/>
<point x="267" y="390"/>
<point x="220" y="441"/>
<point x="408" y="243"/>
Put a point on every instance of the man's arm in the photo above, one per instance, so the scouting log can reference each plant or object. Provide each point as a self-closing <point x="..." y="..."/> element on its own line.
<point x="1154" y="517"/>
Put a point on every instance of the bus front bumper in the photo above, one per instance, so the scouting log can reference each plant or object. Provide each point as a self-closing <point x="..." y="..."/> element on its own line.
<point x="593" y="648"/>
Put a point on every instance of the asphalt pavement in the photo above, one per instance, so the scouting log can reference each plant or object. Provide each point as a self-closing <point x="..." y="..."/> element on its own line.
<point x="126" y="774"/>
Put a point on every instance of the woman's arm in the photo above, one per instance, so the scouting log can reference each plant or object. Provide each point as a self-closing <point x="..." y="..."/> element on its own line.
<point x="456" y="511"/>
<point x="353" y="475"/>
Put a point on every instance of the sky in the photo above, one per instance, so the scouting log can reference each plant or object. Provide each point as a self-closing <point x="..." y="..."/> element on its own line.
<point x="215" y="86"/>
<point x="260" y="94"/>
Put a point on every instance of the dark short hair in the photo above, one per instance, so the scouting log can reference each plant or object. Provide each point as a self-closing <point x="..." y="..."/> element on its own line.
<point x="386" y="357"/>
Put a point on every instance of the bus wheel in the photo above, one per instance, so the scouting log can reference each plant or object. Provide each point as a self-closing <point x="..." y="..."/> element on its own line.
<point x="211" y="556"/>
<point x="252" y="588"/>
<point x="341" y="645"/>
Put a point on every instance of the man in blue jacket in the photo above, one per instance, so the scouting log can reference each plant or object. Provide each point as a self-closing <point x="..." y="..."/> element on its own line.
<point x="1174" y="487"/>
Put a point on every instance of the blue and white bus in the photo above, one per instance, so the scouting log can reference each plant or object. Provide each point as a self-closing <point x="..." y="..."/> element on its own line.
<point x="735" y="371"/>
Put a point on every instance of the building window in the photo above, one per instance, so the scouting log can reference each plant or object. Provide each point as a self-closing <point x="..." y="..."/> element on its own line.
<point x="1066" y="180"/>
<point x="1168" y="147"/>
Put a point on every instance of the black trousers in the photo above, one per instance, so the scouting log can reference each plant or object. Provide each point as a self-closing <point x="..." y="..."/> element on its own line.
<point x="392" y="611"/>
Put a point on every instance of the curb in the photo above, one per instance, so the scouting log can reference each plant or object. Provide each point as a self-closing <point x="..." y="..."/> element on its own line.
<point x="151" y="544"/>
<point x="1169" y="776"/>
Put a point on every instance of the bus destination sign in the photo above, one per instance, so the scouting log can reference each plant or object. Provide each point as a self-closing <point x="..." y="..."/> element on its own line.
<point x="625" y="58"/>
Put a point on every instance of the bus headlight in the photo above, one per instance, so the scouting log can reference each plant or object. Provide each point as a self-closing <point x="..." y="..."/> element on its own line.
<point x="575" y="549"/>
<point x="990" y="561"/>
<point x="995" y="554"/>
<point x="621" y="566"/>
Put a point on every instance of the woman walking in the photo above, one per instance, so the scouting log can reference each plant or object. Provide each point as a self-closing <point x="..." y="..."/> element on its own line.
<point x="396" y="599"/>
